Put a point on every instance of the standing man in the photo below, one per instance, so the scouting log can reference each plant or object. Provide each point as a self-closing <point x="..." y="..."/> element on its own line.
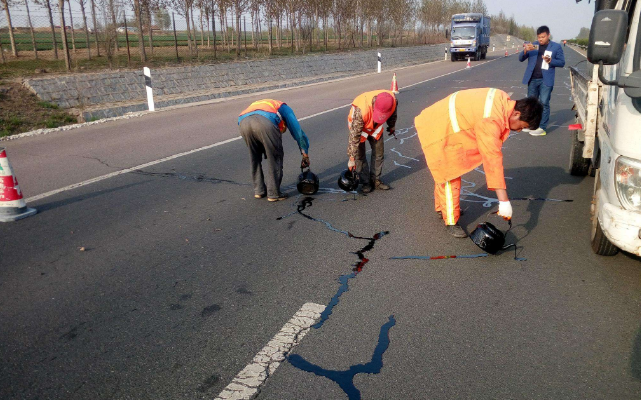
<point x="262" y="125"/>
<point x="463" y="131"/>
<point x="365" y="121"/>
<point x="539" y="74"/>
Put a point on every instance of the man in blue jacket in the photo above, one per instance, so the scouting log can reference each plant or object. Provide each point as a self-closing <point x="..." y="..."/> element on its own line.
<point x="539" y="74"/>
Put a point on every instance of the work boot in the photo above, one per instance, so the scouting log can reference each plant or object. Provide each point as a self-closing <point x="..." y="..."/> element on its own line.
<point x="456" y="231"/>
<point x="259" y="196"/>
<point x="281" y="196"/>
<point x="366" y="188"/>
<point x="378" y="184"/>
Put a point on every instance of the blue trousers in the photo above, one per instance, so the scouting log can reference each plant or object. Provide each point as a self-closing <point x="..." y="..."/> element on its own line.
<point x="536" y="88"/>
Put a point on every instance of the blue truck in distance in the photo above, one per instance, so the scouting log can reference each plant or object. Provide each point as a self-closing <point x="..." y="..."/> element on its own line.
<point x="470" y="36"/>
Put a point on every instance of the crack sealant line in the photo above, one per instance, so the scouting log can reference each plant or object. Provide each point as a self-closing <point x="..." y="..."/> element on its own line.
<point x="186" y="153"/>
<point x="247" y="384"/>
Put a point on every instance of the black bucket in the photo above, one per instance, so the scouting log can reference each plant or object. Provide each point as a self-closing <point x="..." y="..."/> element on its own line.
<point x="348" y="180"/>
<point x="488" y="237"/>
<point x="308" y="183"/>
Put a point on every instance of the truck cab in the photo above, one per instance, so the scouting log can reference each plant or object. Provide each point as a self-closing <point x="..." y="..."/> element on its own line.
<point x="470" y="36"/>
<point x="607" y="144"/>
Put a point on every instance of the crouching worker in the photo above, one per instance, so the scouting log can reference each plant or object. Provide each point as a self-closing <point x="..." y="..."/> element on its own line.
<point x="365" y="121"/>
<point x="465" y="130"/>
<point x="262" y="125"/>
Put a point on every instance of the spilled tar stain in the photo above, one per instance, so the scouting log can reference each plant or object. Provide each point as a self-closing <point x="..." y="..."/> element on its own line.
<point x="358" y="267"/>
<point x="345" y="379"/>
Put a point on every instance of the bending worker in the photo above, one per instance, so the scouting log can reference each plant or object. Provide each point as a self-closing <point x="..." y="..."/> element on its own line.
<point x="465" y="130"/>
<point x="262" y="125"/>
<point x="365" y="121"/>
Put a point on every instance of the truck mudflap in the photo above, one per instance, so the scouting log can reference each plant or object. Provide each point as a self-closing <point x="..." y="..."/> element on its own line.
<point x="620" y="226"/>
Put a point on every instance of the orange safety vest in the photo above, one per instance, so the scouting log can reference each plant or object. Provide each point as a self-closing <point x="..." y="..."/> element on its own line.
<point x="364" y="102"/>
<point x="267" y="105"/>
<point x="465" y="130"/>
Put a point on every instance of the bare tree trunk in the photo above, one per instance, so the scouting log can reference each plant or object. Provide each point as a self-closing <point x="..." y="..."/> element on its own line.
<point x="193" y="26"/>
<point x="208" y="31"/>
<point x="73" y="35"/>
<point x="238" y="11"/>
<point x="141" y="36"/>
<point x="84" y="19"/>
<point x="65" y="46"/>
<point x="95" y="27"/>
<point x="151" y="30"/>
<point x="279" y="31"/>
<point x="33" y="36"/>
<point x="112" y="9"/>
<point x="271" y="41"/>
<point x="202" y="31"/>
<point x="53" y="30"/>
<point x="188" y="31"/>
<point x="14" y="49"/>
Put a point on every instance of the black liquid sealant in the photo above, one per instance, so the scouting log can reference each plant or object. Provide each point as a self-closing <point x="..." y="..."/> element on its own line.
<point x="358" y="267"/>
<point x="345" y="379"/>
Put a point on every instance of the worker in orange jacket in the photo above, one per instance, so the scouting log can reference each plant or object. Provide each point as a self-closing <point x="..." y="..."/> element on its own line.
<point x="369" y="112"/>
<point x="465" y="130"/>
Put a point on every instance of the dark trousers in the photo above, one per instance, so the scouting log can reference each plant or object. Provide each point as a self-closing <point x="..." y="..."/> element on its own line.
<point x="368" y="173"/>
<point x="264" y="139"/>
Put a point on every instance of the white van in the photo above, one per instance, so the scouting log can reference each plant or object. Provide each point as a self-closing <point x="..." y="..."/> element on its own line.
<point x="608" y="144"/>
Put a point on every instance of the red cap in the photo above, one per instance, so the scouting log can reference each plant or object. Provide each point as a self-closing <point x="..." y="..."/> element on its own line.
<point x="383" y="106"/>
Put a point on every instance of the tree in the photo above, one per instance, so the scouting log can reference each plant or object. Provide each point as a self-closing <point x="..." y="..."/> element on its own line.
<point x="163" y="19"/>
<point x="95" y="26"/>
<point x="65" y="46"/>
<point x="5" y="5"/>
<point x="33" y="36"/>
<point x="84" y="19"/>
<point x="584" y="33"/>
<point x="141" y="38"/>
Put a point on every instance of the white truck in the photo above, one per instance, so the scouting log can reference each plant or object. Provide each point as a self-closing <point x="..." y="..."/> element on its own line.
<point x="607" y="143"/>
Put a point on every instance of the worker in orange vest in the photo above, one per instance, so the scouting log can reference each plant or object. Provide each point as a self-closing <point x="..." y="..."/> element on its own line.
<point x="365" y="121"/>
<point x="465" y="130"/>
<point x="262" y="125"/>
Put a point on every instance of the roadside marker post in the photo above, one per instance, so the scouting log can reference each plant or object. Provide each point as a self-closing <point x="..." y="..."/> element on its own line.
<point x="446" y="54"/>
<point x="150" y="92"/>
<point x="379" y="62"/>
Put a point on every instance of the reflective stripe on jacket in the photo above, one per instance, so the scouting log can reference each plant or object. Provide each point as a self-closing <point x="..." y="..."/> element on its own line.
<point x="465" y="130"/>
<point x="364" y="103"/>
<point x="267" y="105"/>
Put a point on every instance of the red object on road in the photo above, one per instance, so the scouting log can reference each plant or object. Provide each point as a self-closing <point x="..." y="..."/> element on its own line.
<point x="394" y="87"/>
<point x="12" y="204"/>
<point x="505" y="52"/>
<point x="575" y="127"/>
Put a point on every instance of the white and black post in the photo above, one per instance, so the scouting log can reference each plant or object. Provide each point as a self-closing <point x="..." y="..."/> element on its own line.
<point x="379" y="62"/>
<point x="446" y="54"/>
<point x="150" y="92"/>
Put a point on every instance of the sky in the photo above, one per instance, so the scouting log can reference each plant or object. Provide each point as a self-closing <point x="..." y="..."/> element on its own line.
<point x="564" y="17"/>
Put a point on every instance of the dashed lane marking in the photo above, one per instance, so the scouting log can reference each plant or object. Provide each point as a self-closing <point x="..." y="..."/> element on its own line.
<point x="248" y="381"/>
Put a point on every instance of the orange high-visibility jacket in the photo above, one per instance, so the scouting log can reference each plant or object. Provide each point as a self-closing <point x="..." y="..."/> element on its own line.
<point x="267" y="105"/>
<point x="364" y="102"/>
<point x="465" y="130"/>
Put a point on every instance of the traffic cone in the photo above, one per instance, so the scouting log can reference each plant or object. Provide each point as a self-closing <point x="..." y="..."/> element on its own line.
<point x="469" y="64"/>
<point x="506" y="53"/>
<point x="12" y="205"/>
<point x="394" y="87"/>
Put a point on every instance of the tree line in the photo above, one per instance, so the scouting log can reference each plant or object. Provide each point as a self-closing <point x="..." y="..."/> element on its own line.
<point x="300" y="24"/>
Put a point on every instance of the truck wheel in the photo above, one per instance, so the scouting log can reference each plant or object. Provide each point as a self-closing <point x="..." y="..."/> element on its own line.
<point x="453" y="58"/>
<point x="579" y="166"/>
<point x="476" y="55"/>
<point x="601" y="245"/>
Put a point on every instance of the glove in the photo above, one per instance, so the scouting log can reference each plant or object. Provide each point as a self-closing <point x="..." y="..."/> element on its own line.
<point x="505" y="210"/>
<point x="305" y="162"/>
<point x="351" y="164"/>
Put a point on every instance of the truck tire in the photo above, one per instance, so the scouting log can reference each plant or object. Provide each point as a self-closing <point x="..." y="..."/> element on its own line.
<point x="579" y="166"/>
<point x="453" y="58"/>
<point x="600" y="244"/>
<point x="476" y="55"/>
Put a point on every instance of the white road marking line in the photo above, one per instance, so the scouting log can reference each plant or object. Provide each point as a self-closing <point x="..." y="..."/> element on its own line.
<point x="248" y="381"/>
<point x="151" y="163"/>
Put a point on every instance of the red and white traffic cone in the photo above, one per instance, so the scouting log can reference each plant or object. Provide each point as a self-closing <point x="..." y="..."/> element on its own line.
<point x="469" y="64"/>
<point x="12" y="204"/>
<point x="394" y="87"/>
<point x="506" y="53"/>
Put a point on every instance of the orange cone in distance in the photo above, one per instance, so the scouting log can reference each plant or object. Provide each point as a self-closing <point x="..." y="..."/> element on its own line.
<point x="12" y="204"/>
<point x="394" y="87"/>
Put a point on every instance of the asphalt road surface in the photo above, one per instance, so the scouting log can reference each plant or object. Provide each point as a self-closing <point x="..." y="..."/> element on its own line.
<point x="185" y="277"/>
